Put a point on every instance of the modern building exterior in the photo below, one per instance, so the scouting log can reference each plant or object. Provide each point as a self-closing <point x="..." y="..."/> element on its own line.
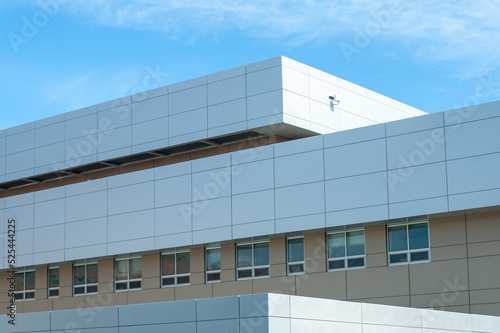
<point x="272" y="177"/>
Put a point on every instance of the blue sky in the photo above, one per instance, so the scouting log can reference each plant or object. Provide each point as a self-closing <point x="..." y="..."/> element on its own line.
<point x="60" y="55"/>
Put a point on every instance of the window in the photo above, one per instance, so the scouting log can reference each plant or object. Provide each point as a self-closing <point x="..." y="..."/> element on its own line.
<point x="175" y="268"/>
<point x="408" y="243"/>
<point x="252" y="260"/>
<point x="346" y="249"/>
<point x="213" y="264"/>
<point x="128" y="274"/>
<point x="25" y="285"/>
<point x="85" y="278"/>
<point x="53" y="280"/>
<point x="295" y="255"/>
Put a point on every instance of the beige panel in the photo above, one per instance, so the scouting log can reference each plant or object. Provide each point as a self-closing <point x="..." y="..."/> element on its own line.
<point x="4" y="283"/>
<point x="396" y="301"/>
<point x="315" y="246"/>
<point x="484" y="249"/>
<point x="4" y="297"/>
<point x="315" y="266"/>
<point x="228" y="257"/>
<point x="16" y="191"/>
<point x="3" y="308"/>
<point x="172" y="160"/>
<point x="486" y="309"/>
<point x="151" y="265"/>
<point x="323" y="285"/>
<point x="447" y="231"/>
<point x="436" y="277"/>
<point x="377" y="282"/>
<point x="278" y="270"/>
<point x="100" y="300"/>
<point x="19" y="307"/>
<point x="449" y="252"/>
<point x="68" y="303"/>
<point x="376" y="260"/>
<point x="209" y="152"/>
<point x="66" y="275"/>
<point x="484" y="296"/>
<point x="150" y="296"/>
<point x="105" y="270"/>
<point x="105" y="287"/>
<point x="375" y="239"/>
<point x="198" y="260"/>
<point x="278" y="285"/>
<point x="136" y="167"/>
<point x="228" y="275"/>
<point x="193" y="292"/>
<point x="41" y="293"/>
<point x="483" y="227"/>
<point x="150" y="283"/>
<point x="440" y="300"/>
<point x="277" y="251"/>
<point x="477" y="272"/>
<point x="103" y="173"/>
<point x="65" y="291"/>
<point x="38" y="305"/>
<point x="197" y="278"/>
<point x="240" y="287"/>
<point x="41" y="278"/>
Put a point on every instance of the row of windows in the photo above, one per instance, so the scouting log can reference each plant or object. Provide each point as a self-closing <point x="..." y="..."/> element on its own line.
<point x="406" y="243"/>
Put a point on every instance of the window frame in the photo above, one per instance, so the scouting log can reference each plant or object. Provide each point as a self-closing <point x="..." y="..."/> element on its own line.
<point x="176" y="276"/>
<point x="25" y="291"/>
<point x="49" y="289"/>
<point x="128" y="280"/>
<point x="303" y="262"/>
<point x="213" y="271"/>
<point x="408" y="252"/>
<point x="253" y="267"/>
<point x="85" y="285"/>
<point x="346" y="257"/>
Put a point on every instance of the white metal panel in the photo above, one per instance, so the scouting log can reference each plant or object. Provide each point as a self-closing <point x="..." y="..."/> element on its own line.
<point x="299" y="200"/>
<point x="355" y="159"/>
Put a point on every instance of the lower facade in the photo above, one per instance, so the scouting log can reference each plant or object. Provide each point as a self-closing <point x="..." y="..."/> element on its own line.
<point x="260" y="313"/>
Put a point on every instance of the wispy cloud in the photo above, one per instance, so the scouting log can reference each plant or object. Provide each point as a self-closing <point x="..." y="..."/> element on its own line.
<point x="90" y="88"/>
<point x="449" y="30"/>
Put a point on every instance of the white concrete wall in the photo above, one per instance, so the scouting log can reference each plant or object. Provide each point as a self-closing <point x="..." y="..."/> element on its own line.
<point x="260" y="313"/>
<point x="278" y="90"/>
<point x="424" y="165"/>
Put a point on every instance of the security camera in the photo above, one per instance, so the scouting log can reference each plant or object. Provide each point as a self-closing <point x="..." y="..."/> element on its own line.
<point x="335" y="99"/>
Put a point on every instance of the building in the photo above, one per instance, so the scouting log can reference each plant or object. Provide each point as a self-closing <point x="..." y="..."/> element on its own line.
<point x="272" y="177"/>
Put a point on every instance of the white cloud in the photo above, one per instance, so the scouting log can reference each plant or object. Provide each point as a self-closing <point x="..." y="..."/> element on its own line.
<point x="465" y="31"/>
<point x="79" y="91"/>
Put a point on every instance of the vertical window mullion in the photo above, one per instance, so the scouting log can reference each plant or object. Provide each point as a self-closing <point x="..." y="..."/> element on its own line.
<point x="253" y="260"/>
<point x="408" y="243"/>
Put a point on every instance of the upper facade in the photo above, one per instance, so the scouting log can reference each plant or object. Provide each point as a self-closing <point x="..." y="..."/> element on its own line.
<point x="437" y="163"/>
<point x="276" y="96"/>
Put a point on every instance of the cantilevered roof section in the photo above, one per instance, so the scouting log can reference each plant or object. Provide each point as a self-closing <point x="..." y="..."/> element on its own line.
<point x="275" y="96"/>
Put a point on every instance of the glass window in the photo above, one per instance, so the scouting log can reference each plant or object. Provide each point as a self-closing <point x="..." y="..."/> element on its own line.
<point x="85" y="278"/>
<point x="25" y="285"/>
<point x="295" y="255"/>
<point x="175" y="268"/>
<point x="408" y="243"/>
<point x="128" y="274"/>
<point x="252" y="260"/>
<point x="213" y="267"/>
<point x="346" y="249"/>
<point x="53" y="280"/>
